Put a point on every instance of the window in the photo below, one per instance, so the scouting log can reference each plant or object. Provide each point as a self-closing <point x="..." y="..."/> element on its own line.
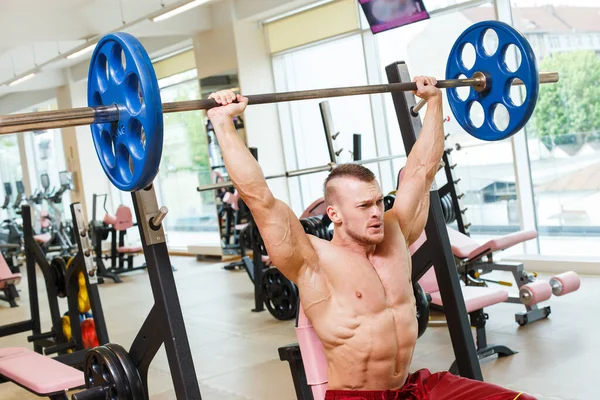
<point x="486" y="168"/>
<point x="10" y="168"/>
<point x="564" y="138"/>
<point x="334" y="63"/>
<point x="185" y="165"/>
<point x="45" y="155"/>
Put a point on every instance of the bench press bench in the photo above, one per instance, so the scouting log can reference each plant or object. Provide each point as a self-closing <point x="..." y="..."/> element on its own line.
<point x="474" y="260"/>
<point x="40" y="375"/>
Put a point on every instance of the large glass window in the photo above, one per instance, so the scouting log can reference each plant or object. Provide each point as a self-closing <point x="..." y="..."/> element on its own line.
<point x="564" y="134"/>
<point x="10" y="170"/>
<point x="185" y="165"/>
<point x="333" y="63"/>
<point x="45" y="155"/>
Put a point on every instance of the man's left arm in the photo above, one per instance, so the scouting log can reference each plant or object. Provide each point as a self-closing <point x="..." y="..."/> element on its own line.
<point x="411" y="207"/>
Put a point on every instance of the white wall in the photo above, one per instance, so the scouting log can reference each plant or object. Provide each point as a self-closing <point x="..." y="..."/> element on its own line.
<point x="215" y="49"/>
<point x="262" y="122"/>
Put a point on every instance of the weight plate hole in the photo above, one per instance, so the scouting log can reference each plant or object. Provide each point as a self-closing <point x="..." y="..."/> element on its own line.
<point x="476" y="115"/>
<point x="137" y="136"/>
<point x="143" y="138"/>
<point x="467" y="56"/>
<point x="463" y="92"/>
<point x="517" y="93"/>
<point x="123" y="60"/>
<point x="115" y="64"/>
<point x="124" y="163"/>
<point x="107" y="145"/>
<point x="95" y="366"/>
<point x="98" y="99"/>
<point x="112" y="393"/>
<point x="509" y="58"/>
<point x="133" y="94"/>
<point x="105" y="374"/>
<point x="102" y="72"/>
<point x="490" y="42"/>
<point x="500" y="117"/>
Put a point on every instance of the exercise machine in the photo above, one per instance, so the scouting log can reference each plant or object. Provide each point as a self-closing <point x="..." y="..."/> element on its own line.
<point x="115" y="226"/>
<point x="474" y="260"/>
<point x="61" y="229"/>
<point x="65" y="337"/>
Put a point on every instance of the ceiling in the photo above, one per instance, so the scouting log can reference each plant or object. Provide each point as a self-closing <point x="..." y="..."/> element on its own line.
<point x="42" y="32"/>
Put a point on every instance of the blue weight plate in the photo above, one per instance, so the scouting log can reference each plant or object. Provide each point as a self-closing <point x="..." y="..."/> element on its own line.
<point x="499" y="78"/>
<point x="121" y="73"/>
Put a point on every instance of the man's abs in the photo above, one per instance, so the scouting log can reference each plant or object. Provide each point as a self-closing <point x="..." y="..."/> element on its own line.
<point x="367" y="326"/>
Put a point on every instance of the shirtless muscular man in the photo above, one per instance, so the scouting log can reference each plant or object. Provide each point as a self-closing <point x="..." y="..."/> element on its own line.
<point x="356" y="289"/>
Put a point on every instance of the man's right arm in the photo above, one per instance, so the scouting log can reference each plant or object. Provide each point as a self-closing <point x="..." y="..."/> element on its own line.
<point x="288" y="246"/>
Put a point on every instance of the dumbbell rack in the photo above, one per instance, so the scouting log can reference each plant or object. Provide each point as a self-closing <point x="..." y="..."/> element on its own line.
<point x="456" y="196"/>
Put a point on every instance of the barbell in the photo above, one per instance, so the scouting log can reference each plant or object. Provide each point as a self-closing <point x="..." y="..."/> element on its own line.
<point x="126" y="113"/>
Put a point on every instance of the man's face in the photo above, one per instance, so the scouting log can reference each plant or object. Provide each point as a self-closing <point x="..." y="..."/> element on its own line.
<point x="358" y="207"/>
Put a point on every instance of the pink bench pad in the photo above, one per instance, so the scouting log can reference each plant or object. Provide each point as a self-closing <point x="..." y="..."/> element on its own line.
<point x="43" y="238"/>
<point x="124" y="218"/>
<point x="5" y="272"/>
<point x="40" y="374"/>
<point x="110" y="219"/>
<point x="465" y="247"/>
<point x="476" y="297"/>
<point x="130" y="249"/>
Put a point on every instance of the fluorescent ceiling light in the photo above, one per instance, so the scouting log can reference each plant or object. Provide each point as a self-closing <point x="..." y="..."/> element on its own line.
<point x="22" y="79"/>
<point x="296" y="11"/>
<point x="179" y="10"/>
<point x="81" y="52"/>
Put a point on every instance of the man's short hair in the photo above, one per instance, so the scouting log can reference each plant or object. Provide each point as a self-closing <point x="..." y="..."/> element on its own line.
<point x="355" y="171"/>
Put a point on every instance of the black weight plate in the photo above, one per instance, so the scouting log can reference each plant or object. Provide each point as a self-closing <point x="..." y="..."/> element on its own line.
<point x="451" y="207"/>
<point x="422" y="304"/>
<point x="320" y="227"/>
<point x="324" y="229"/>
<point x="448" y="209"/>
<point x="280" y="295"/>
<point x="388" y="201"/>
<point x="327" y="222"/>
<point x="304" y="225"/>
<point x="58" y="268"/>
<point x="311" y="226"/>
<point x="103" y="368"/>
<point x="444" y="208"/>
<point x="136" y="386"/>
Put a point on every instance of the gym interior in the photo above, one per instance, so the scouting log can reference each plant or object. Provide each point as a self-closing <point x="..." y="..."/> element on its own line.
<point x="131" y="267"/>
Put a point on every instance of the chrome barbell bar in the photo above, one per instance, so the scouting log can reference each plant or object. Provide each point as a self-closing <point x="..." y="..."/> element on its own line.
<point x="89" y="115"/>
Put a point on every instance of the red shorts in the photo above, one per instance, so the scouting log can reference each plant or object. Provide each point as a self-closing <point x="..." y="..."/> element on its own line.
<point x="423" y="385"/>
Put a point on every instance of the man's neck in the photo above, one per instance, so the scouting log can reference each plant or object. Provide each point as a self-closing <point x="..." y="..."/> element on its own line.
<point x="342" y="239"/>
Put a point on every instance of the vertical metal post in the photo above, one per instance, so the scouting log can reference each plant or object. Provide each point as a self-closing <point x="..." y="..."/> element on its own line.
<point x="329" y="131"/>
<point x="437" y="237"/>
<point x="357" y="147"/>
<point x="165" y="321"/>
<point x="34" y="305"/>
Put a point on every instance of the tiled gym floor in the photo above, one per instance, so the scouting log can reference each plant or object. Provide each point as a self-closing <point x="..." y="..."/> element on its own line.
<point x="235" y="350"/>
